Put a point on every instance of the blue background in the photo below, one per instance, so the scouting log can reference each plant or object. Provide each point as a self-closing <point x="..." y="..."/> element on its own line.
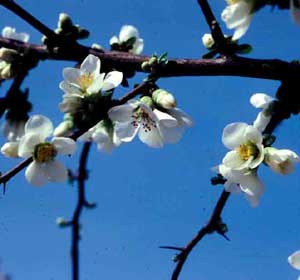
<point x="147" y="197"/>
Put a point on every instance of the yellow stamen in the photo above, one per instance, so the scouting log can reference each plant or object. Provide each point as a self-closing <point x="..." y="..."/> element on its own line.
<point x="44" y="152"/>
<point x="247" y="150"/>
<point x="231" y="2"/>
<point x="85" y="81"/>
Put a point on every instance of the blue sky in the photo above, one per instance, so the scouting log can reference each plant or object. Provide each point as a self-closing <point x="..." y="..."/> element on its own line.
<point x="146" y="197"/>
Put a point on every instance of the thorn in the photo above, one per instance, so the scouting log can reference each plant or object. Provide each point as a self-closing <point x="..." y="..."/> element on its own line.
<point x="172" y="248"/>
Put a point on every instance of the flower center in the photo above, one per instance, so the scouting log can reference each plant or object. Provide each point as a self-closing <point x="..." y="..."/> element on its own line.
<point x="44" y="152"/>
<point x="248" y="150"/>
<point x="142" y="118"/>
<point x="85" y="81"/>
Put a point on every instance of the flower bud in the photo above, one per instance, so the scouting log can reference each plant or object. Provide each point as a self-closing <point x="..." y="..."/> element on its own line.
<point x="10" y="149"/>
<point x="6" y="72"/>
<point x="147" y="100"/>
<point x="146" y="66"/>
<point x="153" y="61"/>
<point x="64" y="21"/>
<point x="164" y="99"/>
<point x="208" y="41"/>
<point x="8" y="55"/>
<point x="97" y="47"/>
<point x="280" y="161"/>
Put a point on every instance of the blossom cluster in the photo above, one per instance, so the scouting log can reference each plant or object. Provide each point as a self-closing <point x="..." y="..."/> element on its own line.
<point x="248" y="151"/>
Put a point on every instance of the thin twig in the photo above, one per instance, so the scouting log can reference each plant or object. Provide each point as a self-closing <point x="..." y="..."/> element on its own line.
<point x="216" y="31"/>
<point x="82" y="176"/>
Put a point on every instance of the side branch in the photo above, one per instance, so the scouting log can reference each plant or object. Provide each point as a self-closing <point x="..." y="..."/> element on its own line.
<point x="82" y="175"/>
<point x="272" y="69"/>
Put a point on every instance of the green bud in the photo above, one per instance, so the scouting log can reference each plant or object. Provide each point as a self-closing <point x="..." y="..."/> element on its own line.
<point x="147" y="100"/>
<point x="164" y="99"/>
<point x="146" y="66"/>
<point x="153" y="61"/>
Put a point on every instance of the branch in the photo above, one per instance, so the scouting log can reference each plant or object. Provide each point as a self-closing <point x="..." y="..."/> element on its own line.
<point x="216" y="31"/>
<point x="81" y="203"/>
<point x="213" y="222"/>
<point x="272" y="69"/>
<point x="34" y="22"/>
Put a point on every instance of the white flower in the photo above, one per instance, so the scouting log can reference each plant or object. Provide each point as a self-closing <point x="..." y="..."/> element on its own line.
<point x="103" y="134"/>
<point x="294" y="261"/>
<point x="245" y="141"/>
<point x="207" y="40"/>
<point x="172" y="132"/>
<point x="88" y="79"/>
<point x="128" y="32"/>
<point x="238" y="181"/>
<point x="10" y="32"/>
<point x="262" y="101"/>
<point x="281" y="161"/>
<point x="138" y="118"/>
<point x="237" y="15"/>
<point x="13" y="131"/>
<point x="44" y="167"/>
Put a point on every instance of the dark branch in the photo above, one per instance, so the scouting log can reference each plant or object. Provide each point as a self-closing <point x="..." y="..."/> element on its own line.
<point x="216" y="31"/>
<point x="82" y="176"/>
<point x="273" y="69"/>
<point x="34" y="22"/>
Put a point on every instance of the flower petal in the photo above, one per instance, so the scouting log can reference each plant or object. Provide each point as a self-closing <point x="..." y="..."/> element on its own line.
<point x="127" y="32"/>
<point x="97" y="84"/>
<point x="112" y="80"/>
<point x="233" y="160"/>
<point x="182" y="117"/>
<point x="28" y="143"/>
<point x="39" y="124"/>
<point x="261" y="100"/>
<point x="138" y="46"/>
<point x="165" y="119"/>
<point x="64" y="145"/>
<point x="121" y="113"/>
<point x="151" y="137"/>
<point x="125" y="131"/>
<point x="71" y="75"/>
<point x="233" y="135"/>
<point x="35" y="174"/>
<point x="114" y="40"/>
<point x="56" y="172"/>
<point x="253" y="134"/>
<point x="294" y="260"/>
<point x="69" y="88"/>
<point x="261" y="121"/>
<point x="91" y="65"/>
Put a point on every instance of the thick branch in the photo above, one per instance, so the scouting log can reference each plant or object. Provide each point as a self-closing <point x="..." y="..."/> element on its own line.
<point x="82" y="176"/>
<point x="273" y="69"/>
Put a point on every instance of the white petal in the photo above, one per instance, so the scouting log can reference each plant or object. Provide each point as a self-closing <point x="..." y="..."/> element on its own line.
<point x="241" y="30"/>
<point x="114" y="40"/>
<point x="253" y="199"/>
<point x="181" y="116"/>
<point x="294" y="260"/>
<point x="251" y="185"/>
<point x="127" y="32"/>
<point x="97" y="84"/>
<point x="56" y="172"/>
<point x="232" y="187"/>
<point x="28" y="143"/>
<point x="259" y="159"/>
<point x="112" y="80"/>
<point x="64" y="145"/>
<point x="70" y="88"/>
<point x="121" y="113"/>
<point x="10" y="149"/>
<point x="233" y="135"/>
<point x="233" y="160"/>
<point x="171" y="134"/>
<point x="8" y="32"/>
<point x="151" y="137"/>
<point x="91" y="65"/>
<point x="71" y="75"/>
<point x="261" y="121"/>
<point x="40" y="125"/>
<point x="165" y="119"/>
<point x="253" y="134"/>
<point x="35" y="174"/>
<point x="125" y="131"/>
<point x="261" y="100"/>
<point x="138" y="46"/>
